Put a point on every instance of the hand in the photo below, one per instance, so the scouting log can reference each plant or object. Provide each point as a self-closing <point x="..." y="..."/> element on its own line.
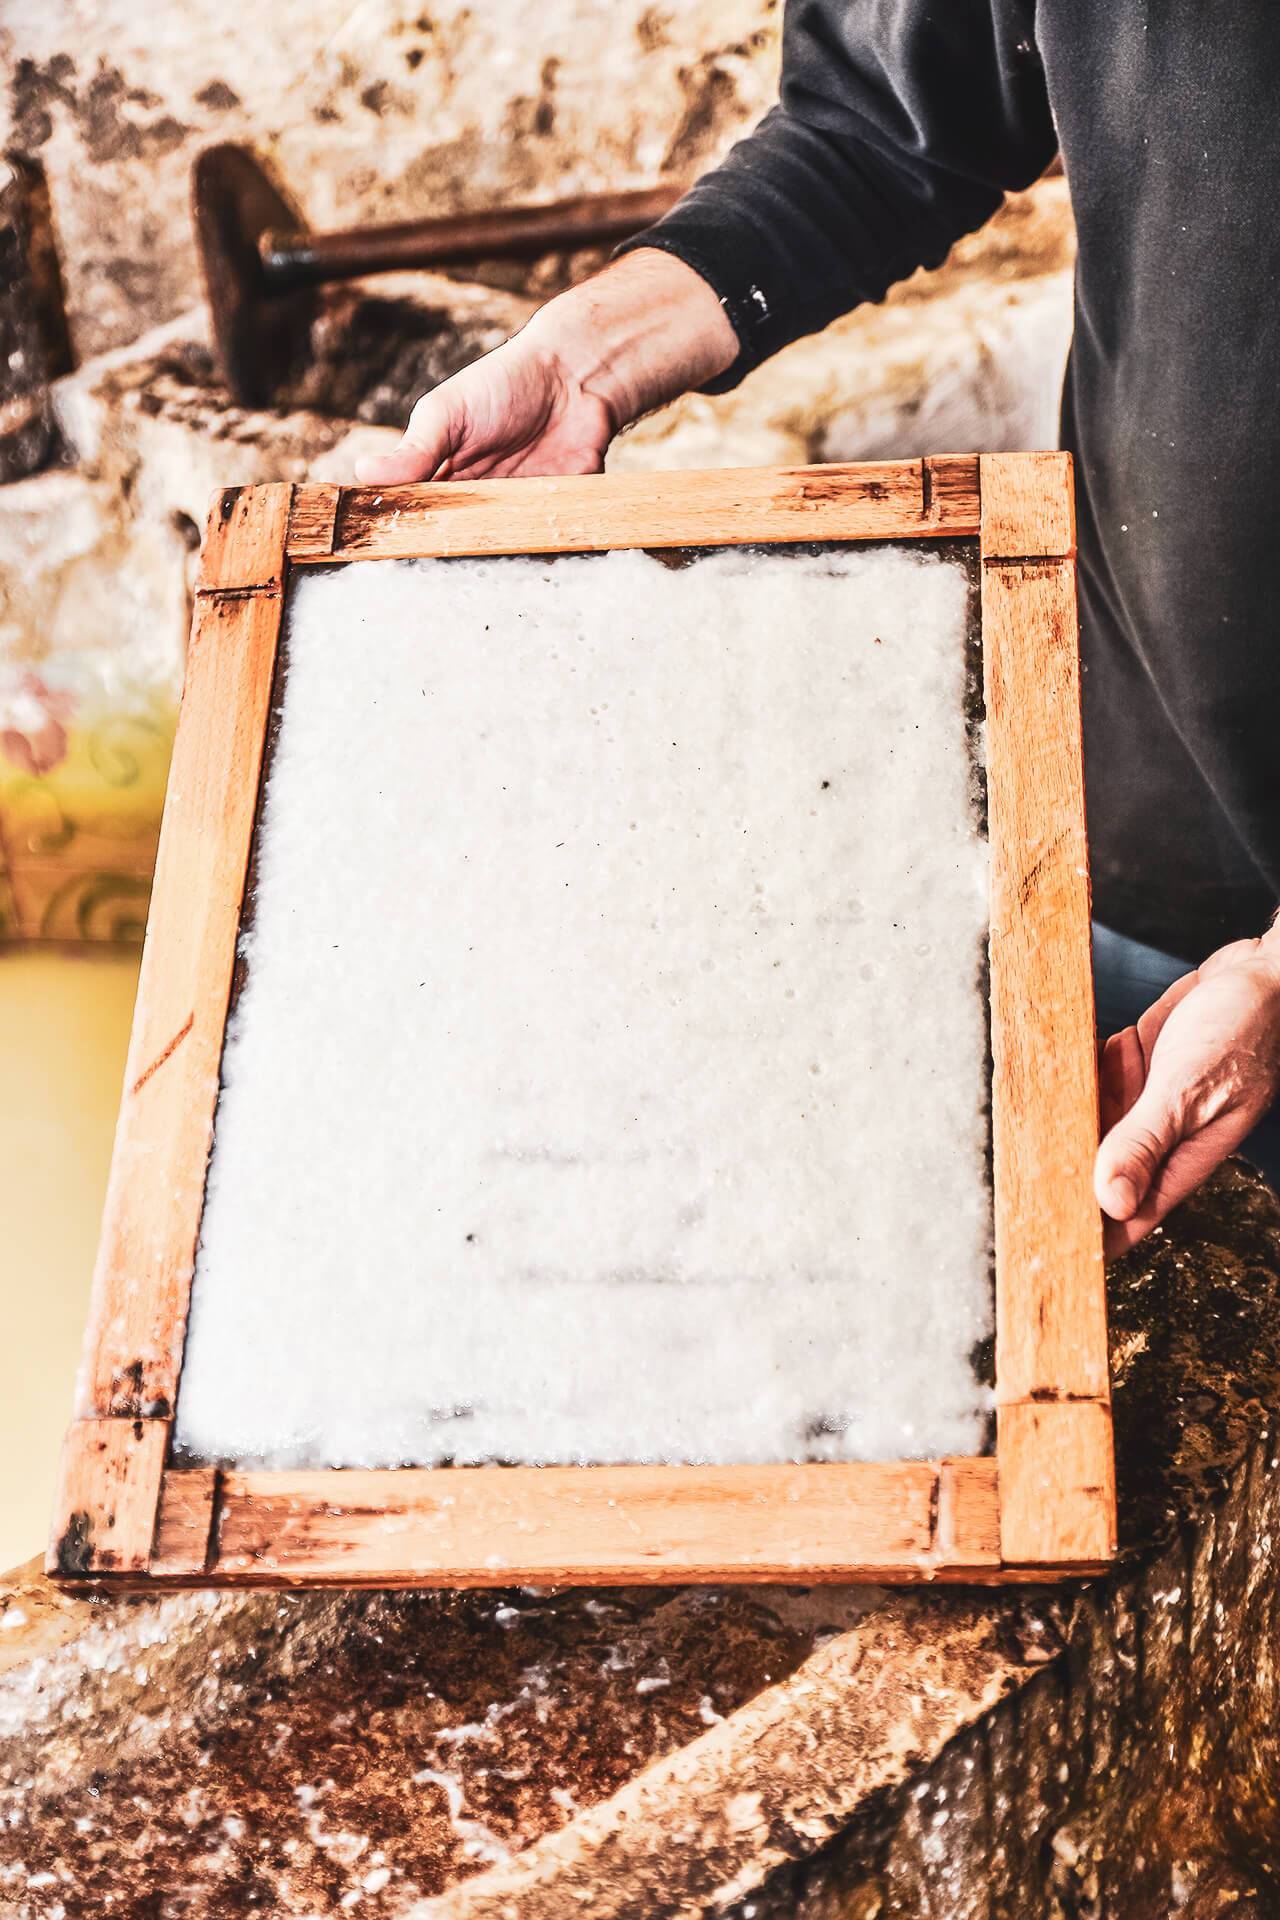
<point x="520" y="409"/>
<point x="1182" y="1089"/>
<point x="587" y="364"/>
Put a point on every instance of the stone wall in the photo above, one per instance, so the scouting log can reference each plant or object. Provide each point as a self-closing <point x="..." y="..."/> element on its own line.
<point x="390" y="109"/>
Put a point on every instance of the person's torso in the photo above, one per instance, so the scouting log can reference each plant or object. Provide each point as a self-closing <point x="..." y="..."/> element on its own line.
<point x="1167" y="115"/>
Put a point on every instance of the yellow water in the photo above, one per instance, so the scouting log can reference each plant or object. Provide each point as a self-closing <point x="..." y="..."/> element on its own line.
<point x="64" y="1028"/>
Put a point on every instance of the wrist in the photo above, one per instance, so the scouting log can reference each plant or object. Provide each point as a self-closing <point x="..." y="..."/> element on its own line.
<point x="645" y="330"/>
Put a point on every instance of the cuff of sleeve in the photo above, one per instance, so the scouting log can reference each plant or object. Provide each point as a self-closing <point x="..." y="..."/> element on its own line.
<point x="746" y="309"/>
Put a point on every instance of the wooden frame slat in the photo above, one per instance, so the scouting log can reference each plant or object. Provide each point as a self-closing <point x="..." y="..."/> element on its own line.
<point x="893" y="500"/>
<point x="1057" y="1483"/>
<point x="486" y="1526"/>
<point x="1051" y="1335"/>
<point x="1043" y="1504"/>
<point x="1057" y="1489"/>
<point x="244" y="541"/>
<point x="106" y="1501"/>
<point x="146" y="1252"/>
<point x="171" y="1075"/>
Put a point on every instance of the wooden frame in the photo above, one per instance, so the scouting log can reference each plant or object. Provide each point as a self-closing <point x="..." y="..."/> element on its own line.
<point x="1043" y="1504"/>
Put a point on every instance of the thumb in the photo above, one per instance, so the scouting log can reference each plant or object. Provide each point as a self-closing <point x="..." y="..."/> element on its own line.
<point x="426" y="445"/>
<point x="1138" y="1145"/>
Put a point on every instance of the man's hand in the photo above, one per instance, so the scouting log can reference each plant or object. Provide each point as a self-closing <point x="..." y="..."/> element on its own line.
<point x="551" y="399"/>
<point x="1183" y="1088"/>
<point x="519" y="410"/>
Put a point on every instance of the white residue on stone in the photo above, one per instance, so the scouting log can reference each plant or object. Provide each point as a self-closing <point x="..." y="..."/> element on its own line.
<point x="478" y="1842"/>
<point x="609" y="1079"/>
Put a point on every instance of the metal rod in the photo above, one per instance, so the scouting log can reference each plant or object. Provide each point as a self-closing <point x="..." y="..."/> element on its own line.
<point x="294" y="260"/>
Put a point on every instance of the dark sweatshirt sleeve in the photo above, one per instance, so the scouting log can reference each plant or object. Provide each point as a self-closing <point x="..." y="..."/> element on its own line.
<point x="901" y="123"/>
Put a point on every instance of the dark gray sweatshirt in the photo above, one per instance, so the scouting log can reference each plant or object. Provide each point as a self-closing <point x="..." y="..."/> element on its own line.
<point x="901" y="123"/>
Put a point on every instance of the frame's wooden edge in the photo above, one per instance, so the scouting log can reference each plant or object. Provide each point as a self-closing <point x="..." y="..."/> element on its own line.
<point x="155" y="1190"/>
<point x="1057" y="1482"/>
<point x="1051" y="1338"/>
<point x="243" y="550"/>
<point x="889" y="500"/>
<point x="915" y="1522"/>
<point x="1028" y="508"/>
<point x="105" y="1507"/>
<point x="114" y="1452"/>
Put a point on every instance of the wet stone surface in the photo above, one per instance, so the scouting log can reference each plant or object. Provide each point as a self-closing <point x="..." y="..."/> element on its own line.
<point x="424" y="1738"/>
<point x="1097" y="1750"/>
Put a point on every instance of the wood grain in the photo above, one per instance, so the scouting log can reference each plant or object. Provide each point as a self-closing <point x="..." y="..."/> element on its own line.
<point x="105" y="1507"/>
<point x="968" y="1528"/>
<point x="951" y="493"/>
<point x="1057" y="1483"/>
<point x="244" y="540"/>
<point x="311" y="521"/>
<point x="184" y="1523"/>
<point x="1057" y="1493"/>
<point x="156" y="1187"/>
<point x="488" y="1526"/>
<point x="1028" y="506"/>
<point x="577" y="514"/>
<point x="1050" y="1306"/>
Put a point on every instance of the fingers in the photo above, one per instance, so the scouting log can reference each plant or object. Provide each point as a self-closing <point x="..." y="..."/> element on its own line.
<point x="1138" y="1144"/>
<point x="1122" y="1068"/>
<point x="400" y="467"/>
<point x="1140" y="1123"/>
<point x="1187" y="1167"/>
<point x="428" y="441"/>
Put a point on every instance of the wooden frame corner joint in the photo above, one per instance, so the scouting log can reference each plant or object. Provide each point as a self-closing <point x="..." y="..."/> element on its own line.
<point x="313" y="519"/>
<point x="243" y="552"/>
<point x="108" y="1493"/>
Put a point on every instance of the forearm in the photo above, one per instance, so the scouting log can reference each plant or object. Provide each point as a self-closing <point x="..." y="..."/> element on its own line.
<point x="645" y="330"/>
<point x="899" y="127"/>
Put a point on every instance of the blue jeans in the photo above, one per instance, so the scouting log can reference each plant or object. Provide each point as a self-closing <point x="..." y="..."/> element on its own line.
<point x="1127" y="978"/>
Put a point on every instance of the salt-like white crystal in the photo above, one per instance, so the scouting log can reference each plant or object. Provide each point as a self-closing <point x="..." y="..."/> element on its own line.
<point x="609" y="1080"/>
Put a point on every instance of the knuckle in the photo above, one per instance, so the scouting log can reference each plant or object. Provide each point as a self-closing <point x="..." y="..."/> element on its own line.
<point x="1147" y="1148"/>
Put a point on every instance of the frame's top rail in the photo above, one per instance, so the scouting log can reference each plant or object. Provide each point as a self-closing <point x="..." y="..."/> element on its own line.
<point x="890" y="500"/>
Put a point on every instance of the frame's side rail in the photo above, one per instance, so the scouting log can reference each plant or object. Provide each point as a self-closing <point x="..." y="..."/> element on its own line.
<point x="893" y="500"/>
<point x="1057" y="1482"/>
<point x="141" y="1286"/>
<point x="108" y="1484"/>
<point x="1056" y="1478"/>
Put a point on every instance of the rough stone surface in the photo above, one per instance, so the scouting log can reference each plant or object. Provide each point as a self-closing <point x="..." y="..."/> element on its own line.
<point x="272" y="1752"/>
<point x="33" y="342"/>
<point x="381" y="111"/>
<point x="1097" y="1750"/>
<point x="1138" y="1774"/>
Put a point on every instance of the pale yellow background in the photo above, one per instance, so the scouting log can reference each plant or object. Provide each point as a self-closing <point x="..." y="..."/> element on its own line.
<point x="64" y="1028"/>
